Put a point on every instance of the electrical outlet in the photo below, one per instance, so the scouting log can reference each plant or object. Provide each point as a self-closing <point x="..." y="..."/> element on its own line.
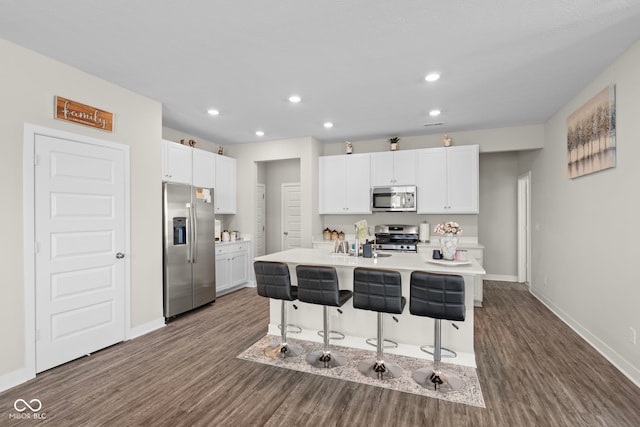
<point x="632" y="335"/>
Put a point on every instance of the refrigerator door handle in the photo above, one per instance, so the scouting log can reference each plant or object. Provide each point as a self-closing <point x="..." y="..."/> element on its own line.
<point x="194" y="242"/>
<point x="189" y="233"/>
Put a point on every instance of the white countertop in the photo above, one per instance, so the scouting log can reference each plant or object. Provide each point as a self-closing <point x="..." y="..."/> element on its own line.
<point x="397" y="261"/>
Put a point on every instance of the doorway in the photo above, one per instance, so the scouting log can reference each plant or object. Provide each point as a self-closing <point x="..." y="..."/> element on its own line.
<point x="273" y="174"/>
<point x="524" y="228"/>
<point x="77" y="224"/>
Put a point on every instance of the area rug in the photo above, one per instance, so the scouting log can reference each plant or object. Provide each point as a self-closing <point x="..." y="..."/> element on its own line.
<point x="469" y="394"/>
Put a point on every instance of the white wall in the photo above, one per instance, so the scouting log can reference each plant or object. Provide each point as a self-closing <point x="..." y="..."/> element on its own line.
<point x="277" y="173"/>
<point x="490" y="140"/>
<point x="249" y="155"/>
<point x="28" y="83"/>
<point x="585" y="234"/>
<point x="497" y="221"/>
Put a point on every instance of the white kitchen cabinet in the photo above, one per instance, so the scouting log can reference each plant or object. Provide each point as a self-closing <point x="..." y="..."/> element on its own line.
<point x="204" y="168"/>
<point x="345" y="184"/>
<point x="232" y="266"/>
<point x="448" y="180"/>
<point x="225" y="188"/>
<point x="176" y="162"/>
<point x="393" y="168"/>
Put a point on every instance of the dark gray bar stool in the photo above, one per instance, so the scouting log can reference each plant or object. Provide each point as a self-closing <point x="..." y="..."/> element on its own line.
<point x="273" y="281"/>
<point x="439" y="296"/>
<point x="380" y="291"/>
<point x="319" y="285"/>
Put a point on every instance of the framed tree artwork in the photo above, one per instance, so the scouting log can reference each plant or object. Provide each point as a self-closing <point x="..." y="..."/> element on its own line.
<point x="591" y="135"/>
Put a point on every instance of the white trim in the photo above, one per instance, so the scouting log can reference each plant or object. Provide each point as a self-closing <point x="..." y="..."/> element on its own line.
<point x="623" y="365"/>
<point x="28" y="210"/>
<point x="145" y="328"/>
<point x="501" y="277"/>
<point x="15" y="378"/>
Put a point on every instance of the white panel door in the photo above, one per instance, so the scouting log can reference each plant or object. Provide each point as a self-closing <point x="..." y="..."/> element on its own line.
<point x="80" y="241"/>
<point x="291" y="216"/>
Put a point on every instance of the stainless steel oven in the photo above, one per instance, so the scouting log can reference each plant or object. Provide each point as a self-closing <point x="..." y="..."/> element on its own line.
<point x="396" y="237"/>
<point x="394" y="199"/>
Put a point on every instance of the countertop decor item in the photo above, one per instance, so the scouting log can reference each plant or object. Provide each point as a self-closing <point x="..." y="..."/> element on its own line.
<point x="394" y="143"/>
<point x="449" y="240"/>
<point x="447" y="141"/>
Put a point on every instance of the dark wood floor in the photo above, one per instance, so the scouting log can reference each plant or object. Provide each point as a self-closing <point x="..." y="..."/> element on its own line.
<point x="534" y="371"/>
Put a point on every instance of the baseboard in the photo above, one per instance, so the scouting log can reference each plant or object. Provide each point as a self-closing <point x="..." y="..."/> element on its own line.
<point x="250" y="284"/>
<point x="501" y="277"/>
<point x="628" y="370"/>
<point x="145" y="328"/>
<point x="15" y="378"/>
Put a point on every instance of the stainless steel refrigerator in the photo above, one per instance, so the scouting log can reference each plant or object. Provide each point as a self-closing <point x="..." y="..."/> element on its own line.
<point x="189" y="252"/>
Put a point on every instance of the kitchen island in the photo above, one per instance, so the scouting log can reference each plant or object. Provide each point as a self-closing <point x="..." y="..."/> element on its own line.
<point x="409" y="331"/>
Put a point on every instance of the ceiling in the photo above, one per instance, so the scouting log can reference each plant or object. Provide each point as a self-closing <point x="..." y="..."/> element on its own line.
<point x="357" y="63"/>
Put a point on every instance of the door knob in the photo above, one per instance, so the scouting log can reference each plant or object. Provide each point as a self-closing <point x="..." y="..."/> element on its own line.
<point x="286" y="233"/>
<point x="119" y="255"/>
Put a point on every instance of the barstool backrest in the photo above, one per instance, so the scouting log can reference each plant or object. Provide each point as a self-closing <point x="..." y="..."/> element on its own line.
<point x="318" y="285"/>
<point x="377" y="290"/>
<point x="273" y="280"/>
<point x="439" y="296"/>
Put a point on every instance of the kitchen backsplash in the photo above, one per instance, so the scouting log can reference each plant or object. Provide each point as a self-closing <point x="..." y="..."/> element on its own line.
<point x="469" y="223"/>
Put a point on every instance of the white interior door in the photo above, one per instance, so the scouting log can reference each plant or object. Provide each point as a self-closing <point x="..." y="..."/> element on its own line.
<point x="80" y="241"/>
<point x="261" y="214"/>
<point x="291" y="216"/>
<point x="524" y="228"/>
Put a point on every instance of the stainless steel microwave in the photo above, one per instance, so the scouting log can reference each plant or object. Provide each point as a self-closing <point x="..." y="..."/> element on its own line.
<point x="394" y="199"/>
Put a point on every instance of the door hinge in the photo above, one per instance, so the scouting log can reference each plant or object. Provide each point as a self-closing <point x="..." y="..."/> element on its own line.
<point x="36" y="160"/>
<point x="36" y="247"/>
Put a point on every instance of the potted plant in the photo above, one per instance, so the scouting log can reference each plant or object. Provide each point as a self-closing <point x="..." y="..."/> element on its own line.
<point x="394" y="143"/>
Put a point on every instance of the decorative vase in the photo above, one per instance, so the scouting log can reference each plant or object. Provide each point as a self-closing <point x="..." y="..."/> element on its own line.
<point x="448" y="246"/>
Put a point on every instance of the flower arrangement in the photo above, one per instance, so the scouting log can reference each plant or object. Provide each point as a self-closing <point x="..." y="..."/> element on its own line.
<point x="448" y="228"/>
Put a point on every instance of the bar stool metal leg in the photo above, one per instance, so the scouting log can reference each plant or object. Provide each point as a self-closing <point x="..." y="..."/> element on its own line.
<point x="377" y="367"/>
<point x="325" y="358"/>
<point x="283" y="349"/>
<point x="434" y="378"/>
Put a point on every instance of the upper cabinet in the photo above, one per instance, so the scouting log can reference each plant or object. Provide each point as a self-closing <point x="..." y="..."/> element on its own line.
<point x="393" y="168"/>
<point x="176" y="162"/>
<point x="186" y="165"/>
<point x="204" y="168"/>
<point x="345" y="184"/>
<point x="448" y="180"/>
<point x="225" y="188"/>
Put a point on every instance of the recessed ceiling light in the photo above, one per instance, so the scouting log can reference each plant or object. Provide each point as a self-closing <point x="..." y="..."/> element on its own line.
<point x="434" y="113"/>
<point x="295" y="98"/>
<point x="213" y="112"/>
<point x="432" y="77"/>
<point x="328" y="125"/>
<point x="259" y="133"/>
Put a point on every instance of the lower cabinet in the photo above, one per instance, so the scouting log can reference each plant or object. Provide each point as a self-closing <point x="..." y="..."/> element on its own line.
<point x="232" y="260"/>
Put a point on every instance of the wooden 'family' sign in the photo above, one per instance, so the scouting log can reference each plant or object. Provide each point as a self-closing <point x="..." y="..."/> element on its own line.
<point x="83" y="114"/>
